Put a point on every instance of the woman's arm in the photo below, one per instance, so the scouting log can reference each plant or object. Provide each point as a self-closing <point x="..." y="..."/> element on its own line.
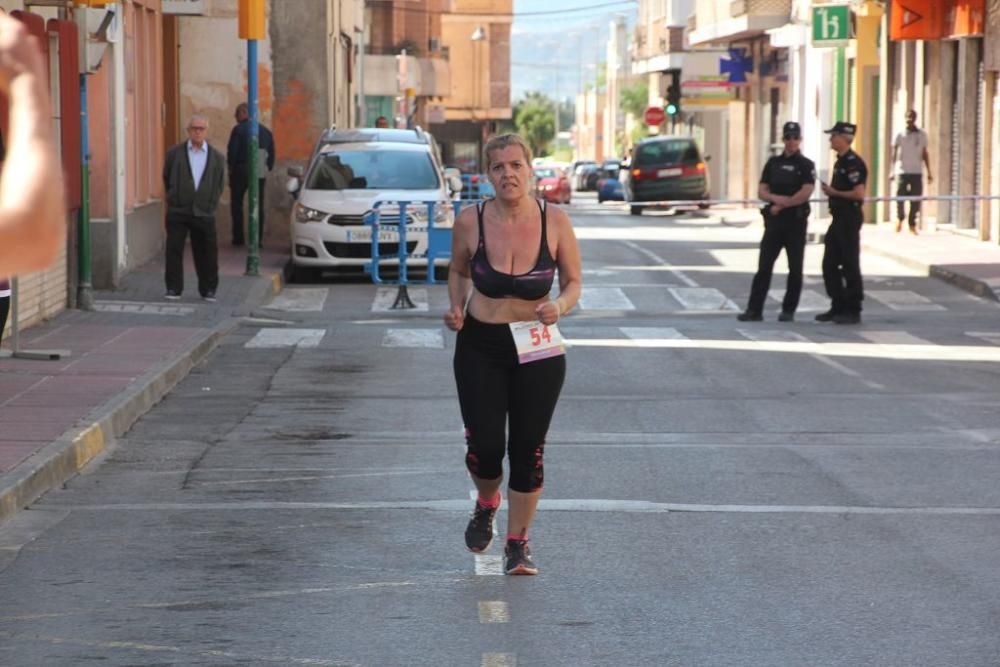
<point x="570" y="272"/>
<point x="459" y="279"/>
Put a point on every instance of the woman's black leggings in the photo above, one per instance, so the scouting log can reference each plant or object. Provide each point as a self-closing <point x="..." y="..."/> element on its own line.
<point x="494" y="388"/>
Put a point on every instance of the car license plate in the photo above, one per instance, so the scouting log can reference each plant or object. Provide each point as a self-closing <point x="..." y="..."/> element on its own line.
<point x="364" y="235"/>
<point x="673" y="171"/>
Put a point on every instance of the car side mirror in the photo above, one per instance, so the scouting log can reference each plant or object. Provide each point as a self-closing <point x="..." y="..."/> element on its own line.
<point x="455" y="183"/>
<point x="293" y="186"/>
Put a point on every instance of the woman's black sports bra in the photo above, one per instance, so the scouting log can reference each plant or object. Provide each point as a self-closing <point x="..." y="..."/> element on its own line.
<point x="533" y="285"/>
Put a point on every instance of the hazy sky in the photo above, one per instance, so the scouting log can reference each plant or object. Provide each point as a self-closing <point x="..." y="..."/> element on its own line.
<point x="555" y="52"/>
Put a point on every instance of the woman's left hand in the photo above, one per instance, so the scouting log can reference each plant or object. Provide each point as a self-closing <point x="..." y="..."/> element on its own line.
<point x="548" y="312"/>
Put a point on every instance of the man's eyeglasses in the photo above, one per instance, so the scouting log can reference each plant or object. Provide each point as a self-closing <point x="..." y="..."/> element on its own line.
<point x="197" y="128"/>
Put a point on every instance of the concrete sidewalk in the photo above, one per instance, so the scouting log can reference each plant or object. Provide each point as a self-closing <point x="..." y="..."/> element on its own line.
<point x="124" y="356"/>
<point x="946" y="253"/>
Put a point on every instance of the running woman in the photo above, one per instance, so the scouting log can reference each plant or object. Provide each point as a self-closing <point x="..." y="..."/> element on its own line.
<point x="509" y="359"/>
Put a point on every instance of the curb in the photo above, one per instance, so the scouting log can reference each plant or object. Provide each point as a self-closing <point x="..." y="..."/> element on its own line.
<point x="61" y="459"/>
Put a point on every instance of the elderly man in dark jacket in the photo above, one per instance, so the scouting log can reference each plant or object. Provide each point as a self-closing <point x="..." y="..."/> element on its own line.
<point x="194" y="175"/>
<point x="237" y="157"/>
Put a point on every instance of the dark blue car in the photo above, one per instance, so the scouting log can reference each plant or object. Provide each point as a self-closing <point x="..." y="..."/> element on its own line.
<point x="609" y="188"/>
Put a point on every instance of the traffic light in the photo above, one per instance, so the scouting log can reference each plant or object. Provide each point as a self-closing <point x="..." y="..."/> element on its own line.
<point x="673" y="106"/>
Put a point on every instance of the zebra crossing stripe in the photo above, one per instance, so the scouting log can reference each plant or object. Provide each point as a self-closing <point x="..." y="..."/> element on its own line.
<point x="386" y="296"/>
<point x="652" y="333"/>
<point x="903" y="300"/>
<point x="604" y="298"/>
<point x="809" y="301"/>
<point x="428" y="338"/>
<point x="772" y="336"/>
<point x="299" y="300"/>
<point x="893" y="338"/>
<point x="702" y="299"/>
<point x="272" y="338"/>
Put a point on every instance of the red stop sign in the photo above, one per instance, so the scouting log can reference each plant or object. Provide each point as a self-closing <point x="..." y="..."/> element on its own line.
<point x="654" y="116"/>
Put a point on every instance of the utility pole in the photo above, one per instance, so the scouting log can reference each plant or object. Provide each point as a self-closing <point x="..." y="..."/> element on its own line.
<point x="252" y="27"/>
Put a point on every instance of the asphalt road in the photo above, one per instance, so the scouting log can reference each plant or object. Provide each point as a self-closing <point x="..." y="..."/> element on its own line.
<point x="717" y="493"/>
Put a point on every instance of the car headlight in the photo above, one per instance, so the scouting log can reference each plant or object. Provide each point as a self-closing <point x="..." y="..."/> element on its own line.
<point x="444" y="215"/>
<point x="306" y="214"/>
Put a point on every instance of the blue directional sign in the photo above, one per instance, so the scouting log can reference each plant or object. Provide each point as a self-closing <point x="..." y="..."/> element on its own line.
<point x="737" y="65"/>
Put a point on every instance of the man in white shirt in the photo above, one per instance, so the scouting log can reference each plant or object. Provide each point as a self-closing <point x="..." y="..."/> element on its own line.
<point x="909" y="154"/>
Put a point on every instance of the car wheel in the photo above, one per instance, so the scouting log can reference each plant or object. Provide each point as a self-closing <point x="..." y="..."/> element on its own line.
<point x="600" y="200"/>
<point x="635" y="210"/>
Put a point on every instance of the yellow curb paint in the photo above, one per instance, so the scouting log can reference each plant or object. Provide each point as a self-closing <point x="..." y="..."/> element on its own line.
<point x="493" y="611"/>
<point x="88" y="444"/>
<point x="275" y="283"/>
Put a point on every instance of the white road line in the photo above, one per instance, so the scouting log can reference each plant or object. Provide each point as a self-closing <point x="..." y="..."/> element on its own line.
<point x="300" y="299"/>
<point x="809" y="301"/>
<point x="386" y="296"/>
<point x="659" y="261"/>
<point x="604" y="298"/>
<point x="952" y="353"/>
<point x="270" y="338"/>
<point x="702" y="299"/>
<point x="489" y="566"/>
<point x="499" y="660"/>
<point x="431" y="338"/>
<point x="893" y="338"/>
<point x="903" y="300"/>
<point x="647" y="333"/>
<point x="552" y="505"/>
<point x="493" y="611"/>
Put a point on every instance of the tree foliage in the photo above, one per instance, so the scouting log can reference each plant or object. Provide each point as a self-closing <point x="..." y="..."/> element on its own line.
<point x="534" y="117"/>
<point x="635" y="98"/>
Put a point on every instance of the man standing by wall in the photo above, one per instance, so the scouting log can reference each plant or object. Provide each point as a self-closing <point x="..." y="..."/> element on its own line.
<point x="194" y="176"/>
<point x="237" y="156"/>
<point x="842" y="246"/>
<point x="909" y="152"/>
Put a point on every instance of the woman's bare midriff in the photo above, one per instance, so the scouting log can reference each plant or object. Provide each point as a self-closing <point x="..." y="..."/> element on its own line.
<point x="502" y="311"/>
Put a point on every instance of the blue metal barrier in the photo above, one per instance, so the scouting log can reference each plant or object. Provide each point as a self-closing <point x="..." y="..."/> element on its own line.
<point x="386" y="229"/>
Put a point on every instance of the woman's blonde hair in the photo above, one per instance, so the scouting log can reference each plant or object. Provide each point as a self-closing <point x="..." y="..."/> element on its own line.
<point x="498" y="142"/>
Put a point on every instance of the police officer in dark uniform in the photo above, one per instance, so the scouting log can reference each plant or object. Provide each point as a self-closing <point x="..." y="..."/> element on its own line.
<point x="842" y="252"/>
<point x="786" y="184"/>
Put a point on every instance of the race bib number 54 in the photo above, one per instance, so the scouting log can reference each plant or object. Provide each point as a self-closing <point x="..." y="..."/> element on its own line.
<point x="535" y="341"/>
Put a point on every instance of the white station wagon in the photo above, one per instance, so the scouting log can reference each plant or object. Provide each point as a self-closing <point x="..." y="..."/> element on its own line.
<point x="352" y="170"/>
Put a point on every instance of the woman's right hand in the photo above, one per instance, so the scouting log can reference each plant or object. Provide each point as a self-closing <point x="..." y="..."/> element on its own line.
<point x="454" y="318"/>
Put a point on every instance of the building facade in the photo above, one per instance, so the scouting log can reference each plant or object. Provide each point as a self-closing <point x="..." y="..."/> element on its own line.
<point x="941" y="59"/>
<point x="476" y="35"/>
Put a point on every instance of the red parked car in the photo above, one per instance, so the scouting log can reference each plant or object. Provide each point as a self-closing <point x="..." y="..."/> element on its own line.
<point x="552" y="185"/>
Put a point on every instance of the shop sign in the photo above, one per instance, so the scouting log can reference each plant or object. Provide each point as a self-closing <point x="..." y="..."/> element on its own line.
<point x="831" y="25"/>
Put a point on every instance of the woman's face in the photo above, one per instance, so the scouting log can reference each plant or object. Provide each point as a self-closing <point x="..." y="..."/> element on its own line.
<point x="510" y="173"/>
